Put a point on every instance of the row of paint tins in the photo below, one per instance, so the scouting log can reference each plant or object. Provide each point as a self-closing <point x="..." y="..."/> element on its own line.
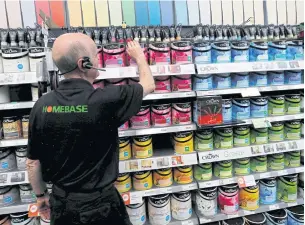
<point x="12" y="194"/>
<point x="12" y="158"/>
<point x="22" y="219"/>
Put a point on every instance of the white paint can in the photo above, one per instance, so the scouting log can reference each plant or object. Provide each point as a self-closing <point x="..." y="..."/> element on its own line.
<point x="137" y="213"/>
<point x="23" y="219"/>
<point x="27" y="194"/>
<point x="181" y="205"/>
<point x="15" y="60"/>
<point x="21" y="157"/>
<point x="206" y="201"/>
<point x="159" y="209"/>
<point x="8" y="195"/>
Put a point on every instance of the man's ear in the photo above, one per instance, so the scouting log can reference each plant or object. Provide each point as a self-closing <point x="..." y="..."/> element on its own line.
<point x="80" y="65"/>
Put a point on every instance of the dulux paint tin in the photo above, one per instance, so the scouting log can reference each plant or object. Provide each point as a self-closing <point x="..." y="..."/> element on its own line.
<point x="204" y="140"/>
<point x="258" y="79"/>
<point x="182" y="113"/>
<point x="202" y="52"/>
<point x="241" y="136"/>
<point x="239" y="51"/>
<point x="223" y="169"/>
<point x="123" y="182"/>
<point x="27" y="194"/>
<point x="295" y="50"/>
<point x="292" y="159"/>
<point x="203" y="171"/>
<point x="276" y="132"/>
<point x="183" y="174"/>
<point x="227" y="110"/>
<point x="142" y="147"/>
<point x="293" y="77"/>
<point x="181" y="205"/>
<point x="249" y="197"/>
<point x="228" y="198"/>
<point x="275" y="78"/>
<point x="23" y="219"/>
<point x="206" y="201"/>
<point x="7" y="159"/>
<point x="295" y="215"/>
<point x="234" y="221"/>
<point x="9" y="195"/>
<point x="258" y="107"/>
<point x="159" y="209"/>
<point x="142" y="180"/>
<point x="163" y="177"/>
<point x="277" y="50"/>
<point x="276" y="217"/>
<point x="202" y="82"/>
<point x="258" y="164"/>
<point x="292" y="130"/>
<point x="142" y="119"/>
<point x="292" y="103"/>
<point x="240" y="80"/>
<point x="241" y="166"/>
<point x="223" y="138"/>
<point x="259" y="136"/>
<point x="241" y="108"/>
<point x="137" y="213"/>
<point x="276" y="161"/>
<point x="267" y="191"/>
<point x="124" y="148"/>
<point x="258" y="51"/>
<point x="221" y="52"/>
<point x="222" y="81"/>
<point x="276" y="105"/>
<point x="287" y="188"/>
<point x="256" y="219"/>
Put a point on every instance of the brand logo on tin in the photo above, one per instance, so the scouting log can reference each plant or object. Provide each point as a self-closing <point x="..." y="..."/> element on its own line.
<point x="212" y="101"/>
<point x="212" y="194"/>
<point x="65" y="109"/>
<point x="295" y="97"/>
<point x="10" y="51"/>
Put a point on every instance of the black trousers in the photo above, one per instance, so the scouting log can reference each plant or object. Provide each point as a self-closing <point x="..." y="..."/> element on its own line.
<point x="104" y="207"/>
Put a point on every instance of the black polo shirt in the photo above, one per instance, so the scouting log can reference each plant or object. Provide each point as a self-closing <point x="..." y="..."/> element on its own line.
<point x="73" y="132"/>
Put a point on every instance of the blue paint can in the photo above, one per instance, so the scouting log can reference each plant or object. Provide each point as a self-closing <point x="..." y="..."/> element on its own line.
<point x="295" y="215"/>
<point x="275" y="77"/>
<point x="259" y="107"/>
<point x="241" y="108"/>
<point x="240" y="51"/>
<point x="258" y="79"/>
<point x="295" y="50"/>
<point x="227" y="110"/>
<point x="202" y="52"/>
<point x="202" y="82"/>
<point x="293" y="77"/>
<point x="267" y="191"/>
<point x="277" y="50"/>
<point x="240" y="80"/>
<point x="221" y="52"/>
<point x="258" y="51"/>
<point x="276" y="217"/>
<point x="221" y="81"/>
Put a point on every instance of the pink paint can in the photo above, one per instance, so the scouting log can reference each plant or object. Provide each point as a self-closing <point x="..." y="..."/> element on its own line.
<point x="182" y="113"/>
<point x="114" y="55"/>
<point x="181" y="52"/>
<point x="228" y="199"/>
<point x="161" y="115"/>
<point x="116" y="82"/>
<point x="182" y="83"/>
<point x="132" y="62"/>
<point x="98" y="84"/>
<point x="100" y="56"/>
<point x="142" y="119"/>
<point x="159" y="53"/>
<point x="124" y="126"/>
<point x="133" y="80"/>
<point x="163" y="84"/>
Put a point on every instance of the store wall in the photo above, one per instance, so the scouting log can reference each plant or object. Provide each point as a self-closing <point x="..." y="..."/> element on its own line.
<point x="23" y="13"/>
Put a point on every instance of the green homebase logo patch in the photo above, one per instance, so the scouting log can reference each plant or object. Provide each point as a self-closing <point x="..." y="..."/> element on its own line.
<point x="65" y="109"/>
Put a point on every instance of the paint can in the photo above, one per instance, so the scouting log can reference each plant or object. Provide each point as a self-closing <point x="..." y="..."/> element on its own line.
<point x="240" y="51"/>
<point x="183" y="174"/>
<point x="203" y="171"/>
<point x="25" y="125"/>
<point x="142" y="119"/>
<point x="206" y="201"/>
<point x="258" y="79"/>
<point x="98" y="84"/>
<point x="137" y="213"/>
<point x="161" y="115"/>
<point x="202" y="82"/>
<point x="23" y="219"/>
<point x="142" y="180"/>
<point x="293" y="76"/>
<point x="258" y="51"/>
<point x="223" y="138"/>
<point x="7" y="159"/>
<point x="234" y="221"/>
<point x="292" y="103"/>
<point x="222" y="81"/>
<point x="249" y="197"/>
<point x="5" y="220"/>
<point x="44" y="221"/>
<point x="240" y="80"/>
<point x="159" y="210"/>
<point x="241" y="136"/>
<point x="142" y="147"/>
<point x="292" y="159"/>
<point x="295" y="50"/>
<point x="258" y="164"/>
<point x="276" y="161"/>
<point x="287" y="188"/>
<point x="276" y="132"/>
<point x="183" y="142"/>
<point x="275" y="78"/>
<point x="182" y="83"/>
<point x="124" y="148"/>
<point x="241" y="108"/>
<point x="27" y="194"/>
<point x="295" y="215"/>
<point x="259" y="107"/>
<point x="228" y="198"/>
<point x="256" y="219"/>
<point x="36" y="55"/>
<point x="204" y="140"/>
<point x="114" y="55"/>
<point x="223" y="169"/>
<point x="259" y="136"/>
<point x="276" y="217"/>
<point x="267" y="191"/>
<point x="241" y="166"/>
<point x="15" y="60"/>
<point x="159" y="53"/>
<point x="181" y="52"/>
<point x="123" y="182"/>
<point x="277" y="50"/>
<point x="182" y="113"/>
<point x="4" y="94"/>
<point x="276" y="105"/>
<point x="8" y="195"/>
<point x="163" y="177"/>
<point x="221" y="52"/>
<point x="292" y="130"/>
<point x="12" y="127"/>
<point x="202" y="52"/>
<point x="181" y="205"/>
<point x="163" y="84"/>
<point x="227" y="110"/>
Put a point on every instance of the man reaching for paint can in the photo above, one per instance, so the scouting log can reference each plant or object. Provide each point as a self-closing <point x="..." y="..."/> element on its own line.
<point x="73" y="136"/>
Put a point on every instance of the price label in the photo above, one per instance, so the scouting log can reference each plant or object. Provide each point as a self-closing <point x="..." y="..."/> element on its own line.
<point x="229" y="181"/>
<point x="292" y="204"/>
<point x="250" y="92"/>
<point x="163" y="130"/>
<point x="246" y="181"/>
<point x="274" y="207"/>
<point x="257" y="66"/>
<point x="293" y="145"/>
<point x="248" y="212"/>
<point x="187" y="222"/>
<point x="282" y="172"/>
<point x="294" y="64"/>
<point x="205" y="220"/>
<point x="261" y="123"/>
<point x="164" y="95"/>
<point x="281" y="147"/>
<point x="233" y="216"/>
<point x="264" y="175"/>
<point x="188" y="69"/>
<point x="282" y="65"/>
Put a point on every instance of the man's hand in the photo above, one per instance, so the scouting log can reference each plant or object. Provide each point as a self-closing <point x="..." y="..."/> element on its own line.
<point x="43" y="205"/>
<point x="135" y="51"/>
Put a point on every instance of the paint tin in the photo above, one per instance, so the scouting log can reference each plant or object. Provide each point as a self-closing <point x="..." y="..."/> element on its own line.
<point x="125" y="148"/>
<point x="183" y="174"/>
<point x="163" y="84"/>
<point x="235" y="221"/>
<point x="228" y="198"/>
<point x="204" y="140"/>
<point x="7" y="159"/>
<point x="206" y="201"/>
<point x="207" y="110"/>
<point x="240" y="80"/>
<point x="8" y="195"/>
<point x="15" y="60"/>
<point x="142" y="147"/>
<point x="183" y="142"/>
<point x="287" y="187"/>
<point x="277" y="50"/>
<point x="27" y="194"/>
<point x="123" y="182"/>
<point x="142" y="119"/>
<point x="292" y="130"/>
<point x="241" y="136"/>
<point x="258" y="79"/>
<point x="12" y="127"/>
<point x="159" y="53"/>
<point x="23" y="219"/>
<point x="202" y="82"/>
<point x="292" y="103"/>
<point x="295" y="215"/>
<point x="181" y="113"/>
<point x="221" y="52"/>
<point x="295" y="50"/>
<point x="249" y="197"/>
<point x="275" y="78"/>
<point x="202" y="52"/>
<point x="240" y="51"/>
<point x="241" y="108"/>
<point x="256" y="219"/>
<point x="223" y="169"/>
<point x="163" y="177"/>
<point x="259" y="136"/>
<point x="181" y="205"/>
<point x="276" y="161"/>
<point x="124" y="126"/>
<point x="142" y="180"/>
<point x="258" y="164"/>
<point x="98" y="84"/>
<point x="267" y="191"/>
<point x="114" y="55"/>
<point x="258" y="51"/>
<point x="259" y="107"/>
<point x="159" y="210"/>
<point x="137" y="213"/>
<point x="293" y="77"/>
<point x="203" y="171"/>
<point x="222" y="81"/>
<point x="182" y="83"/>
<point x="276" y="217"/>
<point x="292" y="159"/>
<point x="276" y="105"/>
<point x="241" y="166"/>
<point x="181" y="52"/>
<point x="25" y="125"/>
<point x="223" y="138"/>
<point x="44" y="221"/>
<point x="227" y="110"/>
<point x="161" y="115"/>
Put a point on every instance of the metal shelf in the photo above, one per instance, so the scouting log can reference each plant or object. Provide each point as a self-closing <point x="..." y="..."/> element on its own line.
<point x="13" y="142"/>
<point x="18" y="78"/>
<point x="15" y="208"/>
<point x="13" y="178"/>
<point x="169" y="95"/>
<point x="191" y="221"/>
<point x="16" y="105"/>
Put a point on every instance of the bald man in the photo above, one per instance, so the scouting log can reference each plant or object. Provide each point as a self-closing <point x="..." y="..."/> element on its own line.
<point x="73" y="137"/>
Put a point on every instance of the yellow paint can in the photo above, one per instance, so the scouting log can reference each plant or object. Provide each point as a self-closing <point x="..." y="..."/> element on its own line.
<point x="123" y="182"/>
<point x="142" y="147"/>
<point x="125" y="148"/>
<point x="249" y="197"/>
<point x="183" y="174"/>
<point x="163" y="177"/>
<point x="183" y="142"/>
<point x="142" y="180"/>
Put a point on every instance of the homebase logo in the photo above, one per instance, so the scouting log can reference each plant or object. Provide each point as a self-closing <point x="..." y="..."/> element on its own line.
<point x="65" y="109"/>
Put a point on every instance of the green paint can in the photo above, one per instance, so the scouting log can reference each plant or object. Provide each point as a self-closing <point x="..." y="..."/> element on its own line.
<point x="204" y="140"/>
<point x="203" y="171"/>
<point x="242" y="166"/>
<point x="292" y="103"/>
<point x="276" y="161"/>
<point x="258" y="164"/>
<point x="276" y="105"/>
<point x="223" y="169"/>
<point x="287" y="187"/>
<point x="241" y="136"/>
<point x="293" y="159"/>
<point x="259" y="136"/>
<point x="292" y="130"/>
<point x="276" y="132"/>
<point x="223" y="138"/>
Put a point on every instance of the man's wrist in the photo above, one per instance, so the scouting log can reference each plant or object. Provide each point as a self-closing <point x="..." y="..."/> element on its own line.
<point x="40" y="195"/>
